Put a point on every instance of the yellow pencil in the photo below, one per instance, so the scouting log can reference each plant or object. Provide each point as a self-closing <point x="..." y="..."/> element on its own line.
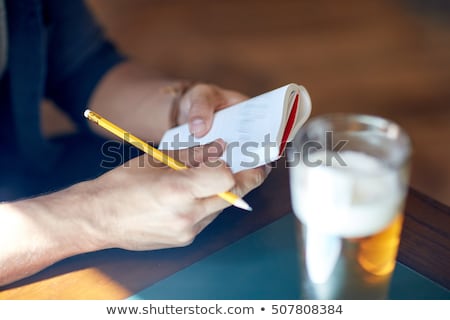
<point x="155" y="153"/>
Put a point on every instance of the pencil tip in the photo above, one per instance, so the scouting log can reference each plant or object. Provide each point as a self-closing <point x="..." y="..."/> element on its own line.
<point x="86" y="113"/>
<point x="242" y="204"/>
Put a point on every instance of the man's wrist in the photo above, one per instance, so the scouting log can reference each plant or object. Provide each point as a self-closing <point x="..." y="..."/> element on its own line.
<point x="64" y="218"/>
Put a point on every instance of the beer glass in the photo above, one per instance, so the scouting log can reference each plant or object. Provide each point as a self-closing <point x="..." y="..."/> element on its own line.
<point x="348" y="178"/>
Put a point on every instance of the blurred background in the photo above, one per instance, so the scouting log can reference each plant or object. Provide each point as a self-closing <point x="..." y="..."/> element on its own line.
<point x="383" y="57"/>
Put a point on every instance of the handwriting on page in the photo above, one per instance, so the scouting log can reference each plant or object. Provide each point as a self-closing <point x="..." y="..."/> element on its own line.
<point x="250" y="117"/>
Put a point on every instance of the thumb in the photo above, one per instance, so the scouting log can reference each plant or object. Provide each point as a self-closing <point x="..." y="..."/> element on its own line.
<point x="199" y="105"/>
<point x="200" y="115"/>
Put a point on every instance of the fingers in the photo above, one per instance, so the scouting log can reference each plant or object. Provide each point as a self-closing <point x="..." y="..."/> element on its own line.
<point x="248" y="180"/>
<point x="196" y="189"/>
<point x="192" y="157"/>
<point x="245" y="181"/>
<point x="202" y="101"/>
<point x="203" y="181"/>
<point x="232" y="97"/>
<point x="210" y="179"/>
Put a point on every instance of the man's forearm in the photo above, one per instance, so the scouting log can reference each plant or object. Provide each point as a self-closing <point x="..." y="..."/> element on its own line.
<point x="127" y="95"/>
<point x="38" y="232"/>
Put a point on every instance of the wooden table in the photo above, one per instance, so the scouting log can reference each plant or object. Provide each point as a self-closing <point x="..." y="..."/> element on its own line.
<point x="117" y="274"/>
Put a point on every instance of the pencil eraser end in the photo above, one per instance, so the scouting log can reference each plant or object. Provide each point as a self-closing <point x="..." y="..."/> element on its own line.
<point x="86" y="113"/>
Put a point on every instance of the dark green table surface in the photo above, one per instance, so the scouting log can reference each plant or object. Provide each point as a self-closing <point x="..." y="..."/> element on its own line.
<point x="264" y="265"/>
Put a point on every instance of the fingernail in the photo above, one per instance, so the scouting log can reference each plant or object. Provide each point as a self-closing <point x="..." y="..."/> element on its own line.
<point x="268" y="169"/>
<point x="198" y="125"/>
<point x="221" y="143"/>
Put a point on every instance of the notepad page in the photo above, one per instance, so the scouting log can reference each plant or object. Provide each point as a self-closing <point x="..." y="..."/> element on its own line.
<point x="251" y="129"/>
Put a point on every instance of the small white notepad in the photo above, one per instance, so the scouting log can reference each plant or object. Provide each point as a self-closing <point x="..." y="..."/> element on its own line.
<point x="256" y="130"/>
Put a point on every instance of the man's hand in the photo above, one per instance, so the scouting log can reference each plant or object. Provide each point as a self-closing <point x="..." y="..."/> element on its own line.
<point x="199" y="104"/>
<point x="140" y="205"/>
<point x="148" y="207"/>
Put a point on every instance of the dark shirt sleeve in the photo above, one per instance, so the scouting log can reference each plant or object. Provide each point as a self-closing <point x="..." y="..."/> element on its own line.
<point x="78" y="56"/>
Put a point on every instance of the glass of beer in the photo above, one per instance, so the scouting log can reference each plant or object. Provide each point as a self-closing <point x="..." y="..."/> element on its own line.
<point x="349" y="179"/>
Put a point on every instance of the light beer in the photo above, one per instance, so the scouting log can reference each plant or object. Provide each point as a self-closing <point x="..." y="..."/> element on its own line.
<point x="350" y="221"/>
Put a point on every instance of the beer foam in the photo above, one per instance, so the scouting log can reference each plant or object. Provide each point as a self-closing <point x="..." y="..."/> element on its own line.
<point x="356" y="197"/>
